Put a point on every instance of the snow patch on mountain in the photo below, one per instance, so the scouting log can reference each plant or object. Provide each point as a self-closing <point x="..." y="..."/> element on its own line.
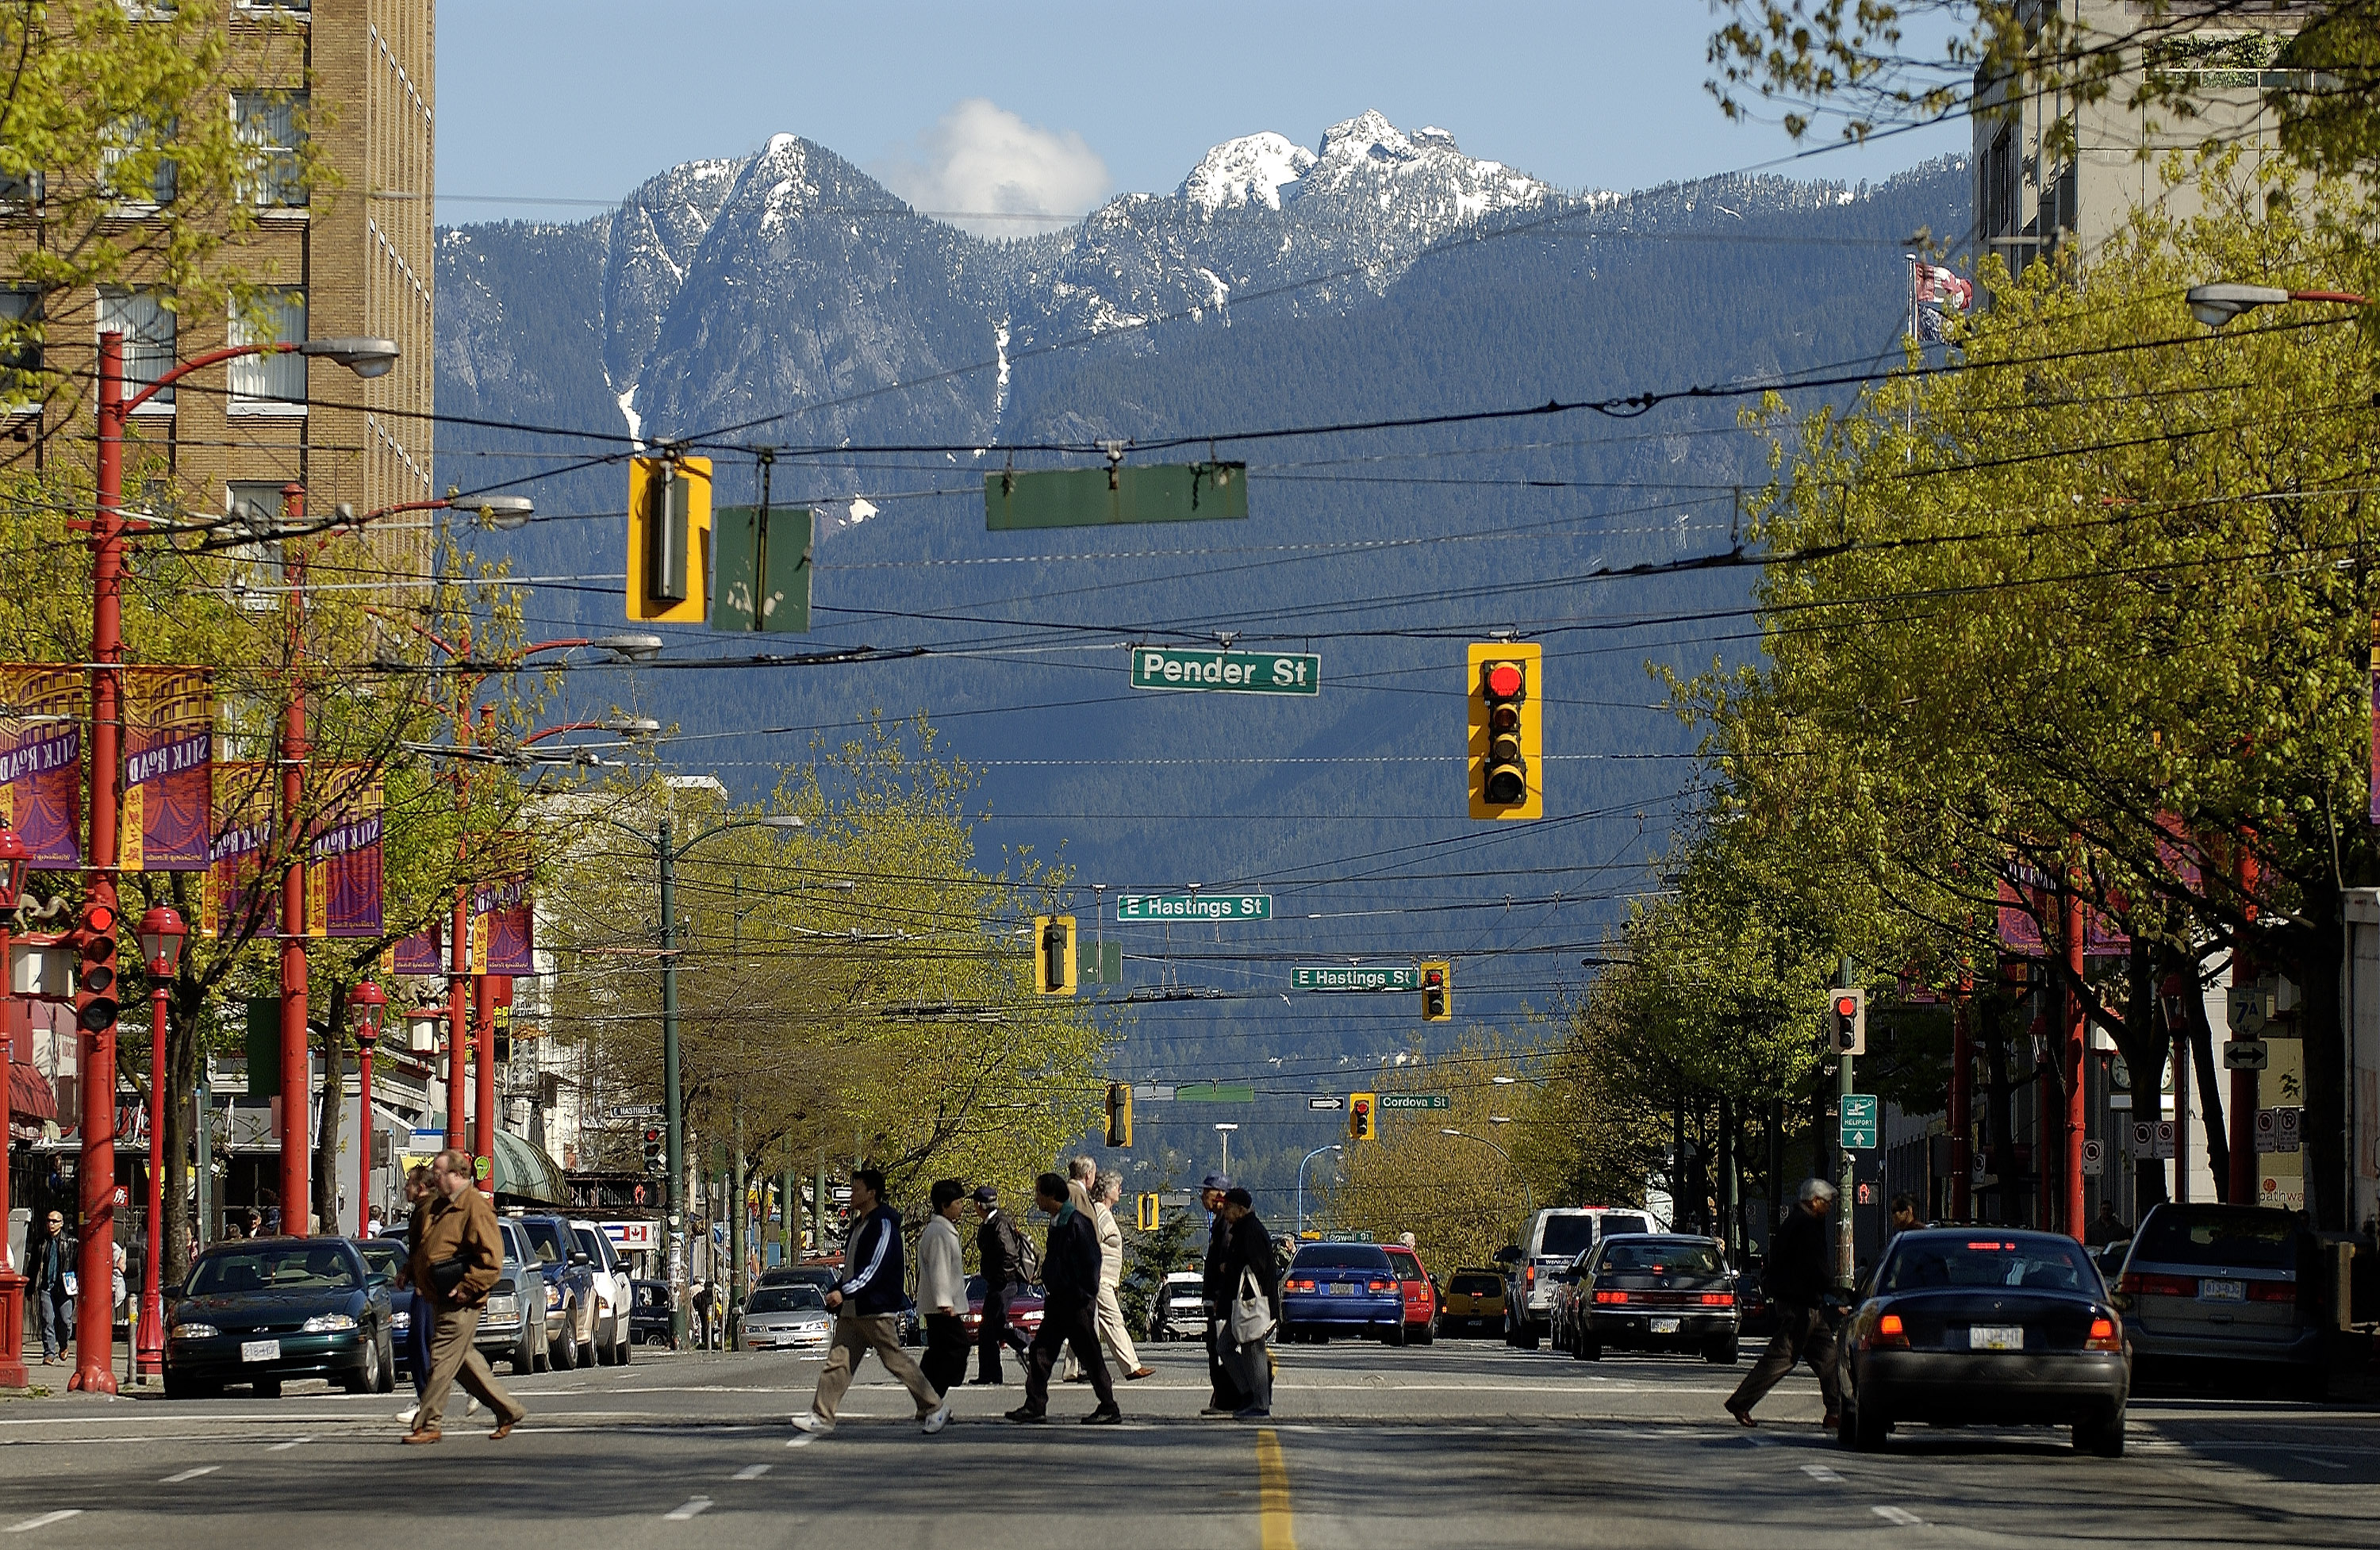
<point x="1250" y="170"/>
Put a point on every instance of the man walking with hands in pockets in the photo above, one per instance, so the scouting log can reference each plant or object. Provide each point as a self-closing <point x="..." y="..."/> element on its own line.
<point x="457" y="1257"/>
<point x="867" y="1305"/>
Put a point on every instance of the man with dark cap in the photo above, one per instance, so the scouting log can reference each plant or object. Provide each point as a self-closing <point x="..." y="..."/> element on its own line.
<point x="1000" y="1254"/>
<point x="1227" y="1399"/>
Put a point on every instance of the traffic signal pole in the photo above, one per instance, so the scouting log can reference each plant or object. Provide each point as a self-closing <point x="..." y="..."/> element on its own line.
<point x="673" y="1107"/>
<point x="297" y="1135"/>
<point x="1846" y="1180"/>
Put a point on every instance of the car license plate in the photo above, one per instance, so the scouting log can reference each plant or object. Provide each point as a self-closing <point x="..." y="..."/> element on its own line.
<point x="1995" y="1337"/>
<point x="260" y="1351"/>
<point x="1667" y="1325"/>
<point x="2222" y="1292"/>
<point x="1343" y="1289"/>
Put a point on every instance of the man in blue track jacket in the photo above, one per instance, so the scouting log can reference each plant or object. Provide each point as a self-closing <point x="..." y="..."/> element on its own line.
<point x="867" y="1305"/>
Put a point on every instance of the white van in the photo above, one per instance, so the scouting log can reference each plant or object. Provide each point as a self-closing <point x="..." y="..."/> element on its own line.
<point x="1553" y="1237"/>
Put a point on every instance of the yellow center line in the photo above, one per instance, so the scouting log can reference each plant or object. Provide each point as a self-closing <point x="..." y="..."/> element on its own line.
<point x="1279" y="1531"/>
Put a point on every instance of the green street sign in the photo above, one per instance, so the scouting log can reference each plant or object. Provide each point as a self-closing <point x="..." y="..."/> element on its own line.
<point x="1340" y="976"/>
<point x="1194" y="907"/>
<point x="1215" y="1092"/>
<point x="1099" y="962"/>
<point x="760" y="569"/>
<point x="1859" y="1121"/>
<point x="1414" y="1100"/>
<point x="1100" y="497"/>
<point x="1231" y="672"/>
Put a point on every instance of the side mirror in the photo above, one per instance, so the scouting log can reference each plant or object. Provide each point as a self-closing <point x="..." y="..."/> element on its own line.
<point x="582" y="1258"/>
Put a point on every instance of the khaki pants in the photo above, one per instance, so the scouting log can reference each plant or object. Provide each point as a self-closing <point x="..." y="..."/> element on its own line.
<point x="453" y="1355"/>
<point x="855" y="1336"/>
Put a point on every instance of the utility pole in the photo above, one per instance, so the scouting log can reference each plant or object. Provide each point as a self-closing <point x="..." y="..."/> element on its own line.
<point x="297" y="1135"/>
<point x="1846" y="1180"/>
<point x="673" y="1105"/>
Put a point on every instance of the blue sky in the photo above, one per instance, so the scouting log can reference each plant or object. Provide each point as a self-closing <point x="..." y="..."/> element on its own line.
<point x="581" y="100"/>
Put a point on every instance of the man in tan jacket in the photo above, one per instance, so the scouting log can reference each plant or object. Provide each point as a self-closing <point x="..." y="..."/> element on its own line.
<point x="456" y="1258"/>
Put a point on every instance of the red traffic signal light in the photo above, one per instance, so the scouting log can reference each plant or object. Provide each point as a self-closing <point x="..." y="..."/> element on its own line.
<point x="94" y="944"/>
<point x="1506" y="729"/>
<point x="1847" y="1023"/>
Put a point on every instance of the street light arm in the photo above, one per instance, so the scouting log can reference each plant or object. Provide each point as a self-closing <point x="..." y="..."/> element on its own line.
<point x="1449" y="1129"/>
<point x="775" y="820"/>
<point x="213" y="358"/>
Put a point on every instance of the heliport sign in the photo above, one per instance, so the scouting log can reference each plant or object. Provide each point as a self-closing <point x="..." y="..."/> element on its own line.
<point x="1231" y="672"/>
<point x="1169" y="907"/>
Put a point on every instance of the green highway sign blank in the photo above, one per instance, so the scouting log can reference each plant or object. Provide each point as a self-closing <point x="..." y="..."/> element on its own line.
<point x="1187" y="907"/>
<point x="1859" y="1121"/>
<point x="1340" y="976"/>
<point x="1215" y="1092"/>
<point x="1235" y="673"/>
<point x="1414" y="1100"/>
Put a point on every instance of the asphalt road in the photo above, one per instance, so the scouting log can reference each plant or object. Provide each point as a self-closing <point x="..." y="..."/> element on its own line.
<point x="1464" y="1443"/>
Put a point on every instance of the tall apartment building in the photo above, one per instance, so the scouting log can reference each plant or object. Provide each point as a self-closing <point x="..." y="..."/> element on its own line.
<point x="2032" y="199"/>
<point x="352" y="258"/>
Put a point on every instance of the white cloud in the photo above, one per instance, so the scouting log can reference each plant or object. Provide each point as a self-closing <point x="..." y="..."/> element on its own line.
<point x="982" y="160"/>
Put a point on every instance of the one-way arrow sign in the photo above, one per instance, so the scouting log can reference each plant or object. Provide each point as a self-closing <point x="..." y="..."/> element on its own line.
<point x="1326" y="1103"/>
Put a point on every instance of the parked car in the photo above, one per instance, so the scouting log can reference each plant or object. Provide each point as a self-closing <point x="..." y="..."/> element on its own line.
<point x="2224" y="1289"/>
<point x="385" y="1256"/>
<point x="612" y="1296"/>
<point x="1551" y="1242"/>
<point x="1984" y="1325"/>
<point x="788" y="1317"/>
<point x="649" y="1317"/>
<point x="1654" y="1291"/>
<point x="1177" y="1310"/>
<point x="1024" y="1309"/>
<point x="569" y="1275"/>
<point x="1475" y="1303"/>
<point x="1421" y="1294"/>
<point x="1343" y="1289"/>
<point x="819" y="1276"/>
<point x="260" y="1310"/>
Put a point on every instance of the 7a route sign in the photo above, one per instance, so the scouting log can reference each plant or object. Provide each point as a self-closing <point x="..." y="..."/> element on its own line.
<point x="1172" y="907"/>
<point x="1230" y="673"/>
<point x="1344" y="976"/>
<point x="1859" y="1121"/>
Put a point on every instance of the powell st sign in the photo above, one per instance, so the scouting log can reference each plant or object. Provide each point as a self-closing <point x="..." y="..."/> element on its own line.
<point x="1237" y="672"/>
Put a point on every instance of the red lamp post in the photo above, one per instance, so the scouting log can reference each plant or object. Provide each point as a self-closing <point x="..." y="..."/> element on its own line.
<point x="14" y="858"/>
<point x="162" y="936"/>
<point x="370" y="1008"/>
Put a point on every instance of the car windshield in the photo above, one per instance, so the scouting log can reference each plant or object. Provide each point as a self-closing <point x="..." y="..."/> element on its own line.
<point x="546" y="1240"/>
<point x="2252" y="1239"/>
<point x="1661" y="1259"/>
<point x="1474" y="1286"/>
<point x="1341" y="1256"/>
<point x="1565" y="1235"/>
<point x="2037" y="1263"/>
<point x="786" y="1299"/>
<point x="279" y="1269"/>
<point x="382" y="1256"/>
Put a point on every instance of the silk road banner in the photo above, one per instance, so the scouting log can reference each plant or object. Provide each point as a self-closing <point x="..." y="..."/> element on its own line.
<point x="343" y="864"/>
<point x="41" y="760"/>
<point x="234" y="897"/>
<point x="502" y="920"/>
<point x="169" y="716"/>
<point x="424" y="952"/>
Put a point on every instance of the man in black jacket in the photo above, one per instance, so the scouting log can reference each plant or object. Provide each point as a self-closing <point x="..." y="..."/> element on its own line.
<point x="1800" y="1272"/>
<point x="1250" y="1256"/>
<point x="867" y="1305"/>
<point x="1226" y="1396"/>
<point x="999" y="1253"/>
<point x="1070" y="1290"/>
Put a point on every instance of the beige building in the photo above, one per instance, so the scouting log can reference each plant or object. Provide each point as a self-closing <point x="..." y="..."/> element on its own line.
<point x="352" y="258"/>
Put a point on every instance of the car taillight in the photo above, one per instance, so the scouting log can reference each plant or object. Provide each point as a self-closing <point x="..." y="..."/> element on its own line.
<point x="1377" y="1285"/>
<point x="1891" y="1331"/>
<point x="2142" y="1284"/>
<point x="1301" y="1286"/>
<point x="2271" y="1291"/>
<point x="1532" y="1275"/>
<point x="2104" y="1335"/>
<point x="1607" y="1297"/>
<point x="1718" y="1300"/>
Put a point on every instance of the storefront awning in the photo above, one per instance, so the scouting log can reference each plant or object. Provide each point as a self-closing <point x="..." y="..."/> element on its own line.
<point x="523" y="1172"/>
<point x="30" y="1094"/>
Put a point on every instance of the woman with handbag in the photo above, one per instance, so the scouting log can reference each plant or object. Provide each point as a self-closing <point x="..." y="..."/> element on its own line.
<point x="1254" y="1310"/>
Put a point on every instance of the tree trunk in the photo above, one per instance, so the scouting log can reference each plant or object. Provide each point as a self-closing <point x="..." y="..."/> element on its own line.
<point x="185" y="1004"/>
<point x="2202" y="1060"/>
<point x="334" y="1092"/>
<point x="1996" y="1107"/>
<point x="2143" y="1041"/>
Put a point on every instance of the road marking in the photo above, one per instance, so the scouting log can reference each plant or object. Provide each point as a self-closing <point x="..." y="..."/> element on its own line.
<point x="693" y="1508"/>
<point x="46" y="1519"/>
<point x="1900" y="1515"/>
<point x="2326" y="1463"/>
<point x="1275" y="1530"/>
<point x="285" y="1446"/>
<point x="190" y="1474"/>
<point x="752" y="1471"/>
<point x="1821" y="1473"/>
<point x="802" y="1440"/>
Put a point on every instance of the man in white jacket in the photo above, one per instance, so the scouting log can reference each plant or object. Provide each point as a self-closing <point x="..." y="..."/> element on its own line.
<point x="942" y="1289"/>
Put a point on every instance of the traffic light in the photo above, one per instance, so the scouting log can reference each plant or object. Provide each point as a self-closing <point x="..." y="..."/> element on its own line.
<point x="1359" y="1117"/>
<point x="1119" y="1115"/>
<point x="1146" y="1218"/>
<point x="95" y="988"/>
<point x="1506" y="695"/>
<point x="1846" y="1022"/>
<point x="1436" y="992"/>
<point x="1055" y="969"/>
<point x="653" y="1161"/>
<point x="668" y="538"/>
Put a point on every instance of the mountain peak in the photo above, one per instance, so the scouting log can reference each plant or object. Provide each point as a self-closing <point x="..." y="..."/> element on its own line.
<point x="1367" y="133"/>
<point x="1250" y="170"/>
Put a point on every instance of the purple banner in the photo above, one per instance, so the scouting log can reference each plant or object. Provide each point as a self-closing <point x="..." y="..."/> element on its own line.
<point x="343" y="865"/>
<point x="41" y="760"/>
<point x="168" y="770"/>
<point x="502" y="919"/>
<point x="243" y="834"/>
<point x="424" y="952"/>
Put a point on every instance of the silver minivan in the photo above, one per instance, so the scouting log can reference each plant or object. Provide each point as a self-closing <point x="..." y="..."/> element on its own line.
<point x="2217" y="1287"/>
<point x="1553" y="1239"/>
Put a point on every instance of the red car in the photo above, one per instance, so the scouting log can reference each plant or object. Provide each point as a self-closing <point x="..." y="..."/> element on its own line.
<point x="1421" y="1295"/>
<point x="1024" y="1309"/>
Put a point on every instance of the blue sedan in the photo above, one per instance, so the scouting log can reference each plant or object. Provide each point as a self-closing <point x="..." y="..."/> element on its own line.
<point x="1341" y="1288"/>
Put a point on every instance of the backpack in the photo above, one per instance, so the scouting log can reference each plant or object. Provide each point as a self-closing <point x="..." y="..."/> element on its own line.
<point x="1025" y="1258"/>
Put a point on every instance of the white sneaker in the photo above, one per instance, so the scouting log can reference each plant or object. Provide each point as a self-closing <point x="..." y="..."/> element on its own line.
<point x="807" y="1422"/>
<point x="405" y="1417"/>
<point x="940" y="1418"/>
<point x="470" y="1404"/>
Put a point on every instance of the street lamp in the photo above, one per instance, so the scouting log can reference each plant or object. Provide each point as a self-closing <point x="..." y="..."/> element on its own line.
<point x="673" y="1102"/>
<point x="15" y="856"/>
<point x="1224" y="1129"/>
<point x="365" y="357"/>
<point x="162" y="935"/>
<point x="371" y="1006"/>
<point x="2218" y="303"/>
<point x="1528" y="1196"/>
<point x="1309" y="1156"/>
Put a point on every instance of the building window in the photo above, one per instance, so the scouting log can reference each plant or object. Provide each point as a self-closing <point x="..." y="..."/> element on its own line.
<point x="271" y="126"/>
<point x="19" y="191"/>
<point x="273" y="383"/>
<point x="21" y="342"/>
<point x="145" y="318"/>
<point x="254" y="508"/>
<point x="133" y="166"/>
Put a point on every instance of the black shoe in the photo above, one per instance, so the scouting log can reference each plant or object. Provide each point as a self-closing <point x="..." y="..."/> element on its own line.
<point x="1251" y="1413"/>
<point x="973" y="1382"/>
<point x="1106" y="1415"/>
<point x="1027" y="1415"/>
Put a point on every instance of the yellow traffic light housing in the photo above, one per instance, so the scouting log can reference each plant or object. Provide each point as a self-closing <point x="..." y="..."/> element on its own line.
<point x="1119" y="1115"/>
<point x="1506" y="699"/>
<point x="1054" y="970"/>
<point x="668" y="538"/>
<point x="1147" y="1213"/>
<point x="1436" y="992"/>
<point x="1359" y="1116"/>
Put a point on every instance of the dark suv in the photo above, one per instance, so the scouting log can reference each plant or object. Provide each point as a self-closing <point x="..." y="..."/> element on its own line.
<point x="569" y="1272"/>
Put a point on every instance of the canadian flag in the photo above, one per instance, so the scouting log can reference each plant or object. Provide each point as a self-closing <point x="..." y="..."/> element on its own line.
<point x="1938" y="287"/>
